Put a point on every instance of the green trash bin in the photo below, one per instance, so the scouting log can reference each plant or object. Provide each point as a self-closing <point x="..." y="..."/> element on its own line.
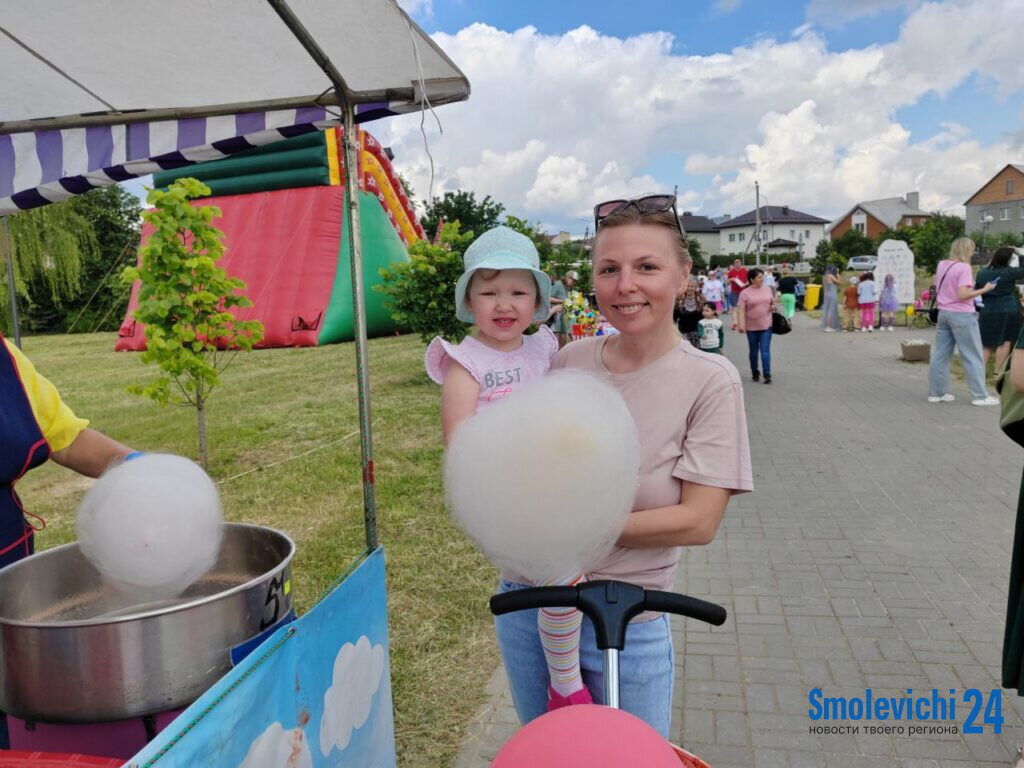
<point x="812" y="297"/>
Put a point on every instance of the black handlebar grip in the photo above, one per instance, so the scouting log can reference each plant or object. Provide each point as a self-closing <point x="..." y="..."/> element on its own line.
<point x="670" y="602"/>
<point x="537" y="597"/>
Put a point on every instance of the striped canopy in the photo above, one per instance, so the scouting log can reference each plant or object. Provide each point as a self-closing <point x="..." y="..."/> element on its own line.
<point x="110" y="90"/>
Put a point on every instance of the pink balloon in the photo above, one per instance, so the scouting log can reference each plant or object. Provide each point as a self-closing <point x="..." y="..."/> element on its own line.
<point x="589" y="736"/>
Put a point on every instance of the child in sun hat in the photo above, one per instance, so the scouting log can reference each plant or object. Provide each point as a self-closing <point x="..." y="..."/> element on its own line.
<point x="503" y="291"/>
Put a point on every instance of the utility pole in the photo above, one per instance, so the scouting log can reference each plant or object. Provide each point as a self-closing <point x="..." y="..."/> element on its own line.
<point x="757" y="222"/>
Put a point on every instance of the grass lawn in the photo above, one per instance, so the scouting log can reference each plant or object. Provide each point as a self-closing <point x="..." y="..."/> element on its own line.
<point x="275" y="404"/>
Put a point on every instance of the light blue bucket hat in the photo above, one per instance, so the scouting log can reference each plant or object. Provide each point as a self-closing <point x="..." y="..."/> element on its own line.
<point x="502" y="248"/>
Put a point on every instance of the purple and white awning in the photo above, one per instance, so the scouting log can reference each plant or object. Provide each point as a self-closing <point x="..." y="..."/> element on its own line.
<point x="48" y="166"/>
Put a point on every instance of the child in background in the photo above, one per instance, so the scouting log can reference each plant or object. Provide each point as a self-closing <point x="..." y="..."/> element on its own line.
<point x="710" y="332"/>
<point x="502" y="291"/>
<point x="888" y="304"/>
<point x="713" y="289"/>
<point x="866" y="297"/>
<point x="850" y="306"/>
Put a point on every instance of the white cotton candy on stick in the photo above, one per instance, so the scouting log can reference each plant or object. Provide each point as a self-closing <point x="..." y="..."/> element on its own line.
<point x="544" y="480"/>
<point x="153" y="524"/>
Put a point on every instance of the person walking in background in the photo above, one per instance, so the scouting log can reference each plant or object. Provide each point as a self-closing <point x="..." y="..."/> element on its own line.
<point x="771" y="279"/>
<point x="713" y="290"/>
<point x="958" y="326"/>
<point x="800" y="293"/>
<point x="689" y="310"/>
<point x="830" y="306"/>
<point x="737" y="282"/>
<point x="867" y="295"/>
<point x="888" y="304"/>
<point x="787" y="295"/>
<point x="754" y="318"/>
<point x="999" y="319"/>
<point x="710" y="331"/>
<point x="850" y="305"/>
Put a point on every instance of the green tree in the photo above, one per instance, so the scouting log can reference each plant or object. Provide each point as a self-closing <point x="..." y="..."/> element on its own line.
<point x="825" y="255"/>
<point x="696" y="253"/>
<point x="49" y="246"/>
<point x="852" y="243"/>
<point x="931" y="240"/>
<point x="906" y="234"/>
<point x="476" y="217"/>
<point x="421" y="291"/>
<point x="185" y="300"/>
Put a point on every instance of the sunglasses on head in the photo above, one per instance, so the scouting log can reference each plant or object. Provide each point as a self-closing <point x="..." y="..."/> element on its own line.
<point x="645" y="204"/>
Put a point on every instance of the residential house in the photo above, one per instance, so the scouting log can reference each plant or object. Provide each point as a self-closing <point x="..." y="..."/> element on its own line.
<point x="783" y="229"/>
<point x="561" y="238"/>
<point x="872" y="217"/>
<point x="1002" y="198"/>
<point x="703" y="230"/>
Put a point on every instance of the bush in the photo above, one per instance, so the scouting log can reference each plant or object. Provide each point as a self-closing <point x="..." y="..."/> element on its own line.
<point x="422" y="290"/>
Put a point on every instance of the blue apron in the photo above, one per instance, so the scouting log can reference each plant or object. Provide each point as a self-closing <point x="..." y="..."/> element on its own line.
<point x="22" y="447"/>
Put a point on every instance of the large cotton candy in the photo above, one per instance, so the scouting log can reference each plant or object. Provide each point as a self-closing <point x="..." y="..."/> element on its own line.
<point x="152" y="525"/>
<point x="543" y="480"/>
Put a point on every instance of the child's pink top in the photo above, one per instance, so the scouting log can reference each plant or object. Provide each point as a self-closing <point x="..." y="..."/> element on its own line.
<point x="498" y="373"/>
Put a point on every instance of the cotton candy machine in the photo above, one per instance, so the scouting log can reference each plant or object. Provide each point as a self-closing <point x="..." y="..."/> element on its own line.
<point x="75" y="650"/>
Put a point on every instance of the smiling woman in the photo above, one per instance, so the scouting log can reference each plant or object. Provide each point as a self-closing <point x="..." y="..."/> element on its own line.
<point x="694" y="453"/>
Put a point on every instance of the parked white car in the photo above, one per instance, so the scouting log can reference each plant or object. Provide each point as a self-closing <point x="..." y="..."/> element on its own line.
<point x="862" y="263"/>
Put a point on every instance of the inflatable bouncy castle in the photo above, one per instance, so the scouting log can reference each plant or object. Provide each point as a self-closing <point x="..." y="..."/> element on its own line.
<point x="285" y="226"/>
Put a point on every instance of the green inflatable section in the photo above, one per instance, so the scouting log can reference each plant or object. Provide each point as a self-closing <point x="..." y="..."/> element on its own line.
<point x="381" y="248"/>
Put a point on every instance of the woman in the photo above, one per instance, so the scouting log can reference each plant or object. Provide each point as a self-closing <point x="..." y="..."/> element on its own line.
<point x="688" y="313"/>
<point x="559" y="323"/>
<point x="787" y="295"/>
<point x="754" y="318"/>
<point x="1013" y="634"/>
<point x="958" y="325"/>
<point x="999" y="319"/>
<point x="36" y="425"/>
<point x="830" y="306"/>
<point x="694" y="453"/>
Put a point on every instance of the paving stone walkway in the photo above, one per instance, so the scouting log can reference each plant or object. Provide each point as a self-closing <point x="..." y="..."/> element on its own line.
<point x="873" y="553"/>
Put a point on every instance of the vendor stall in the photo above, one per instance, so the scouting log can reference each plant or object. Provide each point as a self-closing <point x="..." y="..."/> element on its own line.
<point x="108" y="92"/>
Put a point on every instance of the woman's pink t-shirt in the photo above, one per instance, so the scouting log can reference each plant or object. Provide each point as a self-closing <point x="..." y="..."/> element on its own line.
<point x="757" y="307"/>
<point x="498" y="373"/>
<point x="688" y="409"/>
<point x="952" y="274"/>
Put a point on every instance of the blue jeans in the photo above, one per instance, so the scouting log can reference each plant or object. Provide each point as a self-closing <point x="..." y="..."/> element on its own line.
<point x="645" y="666"/>
<point x="960" y="329"/>
<point x="760" y="341"/>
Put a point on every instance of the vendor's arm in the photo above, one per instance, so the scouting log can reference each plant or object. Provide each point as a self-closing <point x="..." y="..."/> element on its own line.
<point x="459" y="393"/>
<point x="91" y="453"/>
<point x="692" y="522"/>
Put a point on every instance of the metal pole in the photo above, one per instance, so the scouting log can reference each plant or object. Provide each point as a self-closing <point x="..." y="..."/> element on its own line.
<point x="757" y="224"/>
<point x="350" y="141"/>
<point x="611" y="678"/>
<point x="10" y="286"/>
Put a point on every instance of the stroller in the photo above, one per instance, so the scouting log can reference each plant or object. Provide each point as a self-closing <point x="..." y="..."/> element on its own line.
<point x="922" y="304"/>
<point x="596" y="735"/>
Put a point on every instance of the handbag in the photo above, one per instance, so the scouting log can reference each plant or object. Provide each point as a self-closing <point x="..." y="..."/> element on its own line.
<point x="933" y="311"/>
<point x="780" y="325"/>
<point x="1011" y="404"/>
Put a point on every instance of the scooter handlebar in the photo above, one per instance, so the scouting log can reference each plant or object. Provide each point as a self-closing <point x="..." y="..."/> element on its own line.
<point x="609" y="605"/>
<point x="684" y="605"/>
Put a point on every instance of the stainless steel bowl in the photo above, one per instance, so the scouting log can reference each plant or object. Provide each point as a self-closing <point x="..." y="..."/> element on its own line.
<point x="75" y="650"/>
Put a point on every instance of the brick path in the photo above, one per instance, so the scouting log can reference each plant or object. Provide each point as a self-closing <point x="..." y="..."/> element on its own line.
<point x="874" y="552"/>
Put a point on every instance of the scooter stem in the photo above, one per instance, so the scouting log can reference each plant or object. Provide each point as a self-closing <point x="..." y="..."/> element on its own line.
<point x="611" y="678"/>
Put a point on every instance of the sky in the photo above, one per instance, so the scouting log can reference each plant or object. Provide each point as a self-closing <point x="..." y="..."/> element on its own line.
<point x="823" y="102"/>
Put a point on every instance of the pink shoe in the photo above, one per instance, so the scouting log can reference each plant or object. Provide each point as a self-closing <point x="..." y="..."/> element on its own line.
<point x="557" y="700"/>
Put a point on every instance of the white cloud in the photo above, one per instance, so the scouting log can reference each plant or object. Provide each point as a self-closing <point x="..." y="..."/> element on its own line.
<point x="357" y="674"/>
<point x="557" y="122"/>
<point x="276" y="747"/>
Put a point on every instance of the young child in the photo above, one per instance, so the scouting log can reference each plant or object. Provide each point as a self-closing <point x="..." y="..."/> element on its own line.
<point x="850" y="305"/>
<point x="710" y="331"/>
<point x="502" y="291"/>
<point x="888" y="304"/>
<point x="866" y="298"/>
